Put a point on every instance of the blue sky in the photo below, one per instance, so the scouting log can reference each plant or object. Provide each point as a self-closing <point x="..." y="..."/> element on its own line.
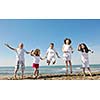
<point x="41" y="32"/>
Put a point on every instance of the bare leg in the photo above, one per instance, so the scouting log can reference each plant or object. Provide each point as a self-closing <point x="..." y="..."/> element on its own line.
<point x="84" y="71"/>
<point x="89" y="71"/>
<point x="66" y="67"/>
<point x="37" y="73"/>
<point x="23" y="68"/>
<point x="34" y="72"/>
<point x="48" y="62"/>
<point x="70" y="66"/>
<point x="54" y="62"/>
<point x="15" y="71"/>
<point x="22" y="73"/>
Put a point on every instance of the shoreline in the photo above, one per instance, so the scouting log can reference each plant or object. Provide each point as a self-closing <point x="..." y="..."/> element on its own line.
<point x="77" y="76"/>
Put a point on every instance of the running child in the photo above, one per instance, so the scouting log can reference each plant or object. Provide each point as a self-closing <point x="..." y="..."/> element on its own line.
<point x="67" y="51"/>
<point x="84" y="57"/>
<point x="36" y="61"/>
<point x="20" y="60"/>
<point x="51" y="54"/>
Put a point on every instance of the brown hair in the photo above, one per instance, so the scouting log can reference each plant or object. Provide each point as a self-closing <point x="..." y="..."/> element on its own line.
<point x="36" y="52"/>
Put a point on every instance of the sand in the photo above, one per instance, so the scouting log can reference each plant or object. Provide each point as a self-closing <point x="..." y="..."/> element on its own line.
<point x="79" y="76"/>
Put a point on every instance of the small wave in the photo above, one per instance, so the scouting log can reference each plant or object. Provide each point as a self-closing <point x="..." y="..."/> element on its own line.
<point x="63" y="69"/>
<point x="78" y="68"/>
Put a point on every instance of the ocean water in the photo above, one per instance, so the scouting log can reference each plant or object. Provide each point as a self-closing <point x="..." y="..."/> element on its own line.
<point x="7" y="71"/>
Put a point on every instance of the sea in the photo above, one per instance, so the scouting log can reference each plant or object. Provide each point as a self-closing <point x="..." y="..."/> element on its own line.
<point x="8" y="71"/>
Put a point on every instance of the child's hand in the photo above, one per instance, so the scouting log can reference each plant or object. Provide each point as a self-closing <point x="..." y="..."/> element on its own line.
<point x="92" y="51"/>
<point x="72" y="51"/>
<point x="65" y="51"/>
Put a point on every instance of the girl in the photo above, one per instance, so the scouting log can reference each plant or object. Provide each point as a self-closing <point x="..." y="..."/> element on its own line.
<point x="51" y="54"/>
<point x="67" y="51"/>
<point x="20" y="60"/>
<point x="84" y="57"/>
<point x="36" y="60"/>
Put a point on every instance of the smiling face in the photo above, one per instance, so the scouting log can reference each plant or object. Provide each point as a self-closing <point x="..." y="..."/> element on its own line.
<point x="83" y="47"/>
<point x="51" y="45"/>
<point x="21" y="46"/>
<point x="67" y="42"/>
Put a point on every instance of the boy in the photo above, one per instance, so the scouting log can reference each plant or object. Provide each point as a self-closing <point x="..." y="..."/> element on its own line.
<point x="51" y="53"/>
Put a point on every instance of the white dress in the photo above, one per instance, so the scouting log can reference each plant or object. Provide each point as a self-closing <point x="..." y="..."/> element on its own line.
<point x="68" y="50"/>
<point x="51" y="54"/>
<point x="85" y="59"/>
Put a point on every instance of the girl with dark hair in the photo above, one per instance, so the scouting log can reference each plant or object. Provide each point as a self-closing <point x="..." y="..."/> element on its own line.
<point x="67" y="51"/>
<point x="84" y="57"/>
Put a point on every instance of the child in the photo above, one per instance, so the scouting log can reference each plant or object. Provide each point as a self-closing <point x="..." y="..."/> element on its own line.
<point x="67" y="51"/>
<point x="84" y="57"/>
<point x="20" y="60"/>
<point x="51" y="54"/>
<point x="36" y="60"/>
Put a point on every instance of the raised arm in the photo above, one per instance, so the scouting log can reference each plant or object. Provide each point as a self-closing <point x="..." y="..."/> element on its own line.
<point x="10" y="47"/>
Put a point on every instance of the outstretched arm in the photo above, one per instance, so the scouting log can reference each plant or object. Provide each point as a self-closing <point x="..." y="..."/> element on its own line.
<point x="9" y="47"/>
<point x="91" y="51"/>
<point x="58" y="55"/>
<point x="46" y="55"/>
<point x="42" y="58"/>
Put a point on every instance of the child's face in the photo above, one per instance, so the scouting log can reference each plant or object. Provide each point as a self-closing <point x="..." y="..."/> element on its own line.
<point x="67" y="42"/>
<point x="79" y="47"/>
<point x="21" y="45"/>
<point x="39" y="53"/>
<point x="82" y="46"/>
<point x="51" y="46"/>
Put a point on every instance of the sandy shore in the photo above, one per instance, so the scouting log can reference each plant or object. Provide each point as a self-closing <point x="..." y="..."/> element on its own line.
<point x="95" y="76"/>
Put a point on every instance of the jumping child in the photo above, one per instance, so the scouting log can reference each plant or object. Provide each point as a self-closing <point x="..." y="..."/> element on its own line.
<point x="84" y="57"/>
<point x="36" y="61"/>
<point x="20" y="60"/>
<point x="51" y="54"/>
<point x="67" y="51"/>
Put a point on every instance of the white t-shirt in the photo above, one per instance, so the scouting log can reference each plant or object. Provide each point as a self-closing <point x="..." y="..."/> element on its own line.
<point x="36" y="59"/>
<point x="84" y="57"/>
<point x="20" y="54"/>
<point x="51" y="52"/>
<point x="67" y="48"/>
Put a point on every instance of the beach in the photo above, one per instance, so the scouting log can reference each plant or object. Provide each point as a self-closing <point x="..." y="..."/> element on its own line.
<point x="79" y="76"/>
<point x="51" y="73"/>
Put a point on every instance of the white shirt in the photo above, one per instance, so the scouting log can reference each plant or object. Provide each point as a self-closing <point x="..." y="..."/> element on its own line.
<point x="51" y="52"/>
<point x="67" y="48"/>
<point x="36" y="59"/>
<point x="20" y="54"/>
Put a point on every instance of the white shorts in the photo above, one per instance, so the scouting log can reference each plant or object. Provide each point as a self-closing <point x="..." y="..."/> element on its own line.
<point x="53" y="59"/>
<point x="85" y="64"/>
<point x="67" y="57"/>
<point x="20" y="63"/>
